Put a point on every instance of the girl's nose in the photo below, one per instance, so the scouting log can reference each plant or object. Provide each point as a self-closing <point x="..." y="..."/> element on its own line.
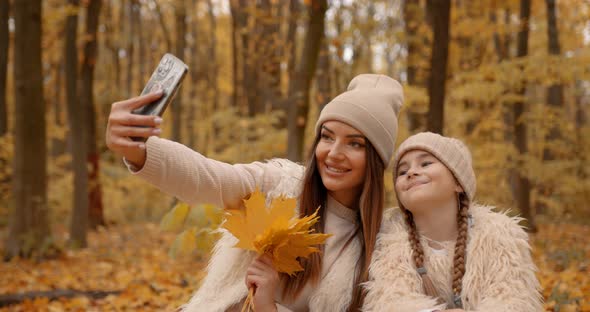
<point x="411" y="172"/>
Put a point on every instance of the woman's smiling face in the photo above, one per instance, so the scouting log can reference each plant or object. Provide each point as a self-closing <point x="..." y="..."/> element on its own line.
<point x="423" y="180"/>
<point x="341" y="160"/>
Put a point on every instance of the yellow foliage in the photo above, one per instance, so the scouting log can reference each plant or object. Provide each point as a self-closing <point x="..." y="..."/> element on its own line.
<point x="275" y="231"/>
<point x="185" y="243"/>
<point x="174" y="219"/>
<point x="200" y="224"/>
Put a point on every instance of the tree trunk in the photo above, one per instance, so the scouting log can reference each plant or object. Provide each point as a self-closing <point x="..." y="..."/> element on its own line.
<point x="555" y="92"/>
<point x="4" y="43"/>
<point x="77" y="120"/>
<point x="299" y="107"/>
<point x="95" y="209"/>
<point x="508" y="114"/>
<point x="291" y="50"/>
<point x="249" y="73"/>
<point x="268" y="55"/>
<point x="163" y="25"/>
<point x="234" y="47"/>
<point x="142" y="61"/>
<point x="180" y="12"/>
<point x="522" y="184"/>
<point x="413" y="15"/>
<point x="440" y="12"/>
<point x="212" y="58"/>
<point x="28" y="227"/>
<point x="194" y="74"/>
<point x="58" y="145"/>
<point x="133" y="15"/>
<point x="554" y="100"/>
<point x="323" y="94"/>
<point x="112" y="45"/>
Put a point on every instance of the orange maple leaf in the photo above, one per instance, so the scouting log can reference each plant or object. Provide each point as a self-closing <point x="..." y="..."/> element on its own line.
<point x="275" y="231"/>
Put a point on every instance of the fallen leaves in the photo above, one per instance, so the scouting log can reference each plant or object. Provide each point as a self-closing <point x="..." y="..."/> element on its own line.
<point x="134" y="259"/>
<point x="561" y="253"/>
<point x="130" y="258"/>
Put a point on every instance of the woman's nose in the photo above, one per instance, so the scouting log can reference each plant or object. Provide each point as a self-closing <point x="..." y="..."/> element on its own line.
<point x="336" y="150"/>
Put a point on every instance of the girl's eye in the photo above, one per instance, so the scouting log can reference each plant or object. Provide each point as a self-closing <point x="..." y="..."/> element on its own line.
<point x="426" y="163"/>
<point x="401" y="173"/>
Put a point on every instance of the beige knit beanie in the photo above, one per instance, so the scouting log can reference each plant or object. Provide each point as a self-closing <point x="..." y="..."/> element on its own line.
<point x="370" y="105"/>
<point x="450" y="151"/>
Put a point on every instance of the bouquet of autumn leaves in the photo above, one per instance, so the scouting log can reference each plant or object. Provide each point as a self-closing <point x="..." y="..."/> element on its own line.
<point x="274" y="231"/>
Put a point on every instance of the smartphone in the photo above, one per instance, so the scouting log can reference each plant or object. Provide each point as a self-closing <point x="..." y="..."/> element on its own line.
<point x="166" y="77"/>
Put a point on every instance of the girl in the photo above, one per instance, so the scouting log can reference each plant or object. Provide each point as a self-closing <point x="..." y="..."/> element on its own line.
<point x="442" y="251"/>
<point x="355" y="139"/>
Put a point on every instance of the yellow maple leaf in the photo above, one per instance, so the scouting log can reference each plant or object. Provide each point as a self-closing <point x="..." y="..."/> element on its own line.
<point x="275" y="231"/>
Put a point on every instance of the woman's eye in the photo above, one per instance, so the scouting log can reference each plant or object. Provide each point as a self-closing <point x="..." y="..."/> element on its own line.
<point x="324" y="136"/>
<point x="356" y="144"/>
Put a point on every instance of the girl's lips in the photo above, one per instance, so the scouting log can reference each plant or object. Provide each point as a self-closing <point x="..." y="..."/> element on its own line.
<point x="416" y="183"/>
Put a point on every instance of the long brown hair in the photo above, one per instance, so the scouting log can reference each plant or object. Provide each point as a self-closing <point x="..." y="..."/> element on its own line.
<point x="371" y="201"/>
<point x="459" y="258"/>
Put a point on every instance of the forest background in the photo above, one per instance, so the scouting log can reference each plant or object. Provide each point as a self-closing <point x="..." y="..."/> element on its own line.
<point x="78" y="232"/>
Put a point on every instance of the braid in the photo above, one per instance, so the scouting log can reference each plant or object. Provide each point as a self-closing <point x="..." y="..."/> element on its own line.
<point x="460" y="246"/>
<point x="418" y="255"/>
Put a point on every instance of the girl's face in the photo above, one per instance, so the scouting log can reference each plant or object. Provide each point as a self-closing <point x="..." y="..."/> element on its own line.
<point x="341" y="161"/>
<point x="423" y="181"/>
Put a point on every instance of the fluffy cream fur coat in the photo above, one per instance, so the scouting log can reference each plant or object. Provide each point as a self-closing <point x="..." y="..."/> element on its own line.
<point x="499" y="276"/>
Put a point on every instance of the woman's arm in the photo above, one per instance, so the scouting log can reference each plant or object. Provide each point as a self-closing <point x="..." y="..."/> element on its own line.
<point x="191" y="177"/>
<point x="172" y="167"/>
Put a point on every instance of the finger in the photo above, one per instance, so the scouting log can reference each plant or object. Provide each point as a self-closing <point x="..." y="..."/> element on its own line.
<point x="130" y="119"/>
<point x="255" y="271"/>
<point x="126" y="131"/>
<point x="266" y="259"/>
<point x="250" y="282"/>
<point x="141" y="100"/>
<point x="254" y="281"/>
<point x="260" y="265"/>
<point x="126" y="143"/>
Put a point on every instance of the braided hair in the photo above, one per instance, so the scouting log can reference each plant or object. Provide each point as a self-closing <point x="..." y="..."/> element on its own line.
<point x="459" y="256"/>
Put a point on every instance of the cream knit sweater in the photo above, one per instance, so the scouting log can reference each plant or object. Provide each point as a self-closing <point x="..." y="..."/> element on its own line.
<point x="193" y="178"/>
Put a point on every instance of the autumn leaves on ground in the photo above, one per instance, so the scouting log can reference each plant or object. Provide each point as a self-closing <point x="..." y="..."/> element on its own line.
<point x="134" y="260"/>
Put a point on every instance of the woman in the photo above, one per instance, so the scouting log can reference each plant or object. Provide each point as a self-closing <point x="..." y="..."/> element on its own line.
<point x="442" y="251"/>
<point x="355" y="139"/>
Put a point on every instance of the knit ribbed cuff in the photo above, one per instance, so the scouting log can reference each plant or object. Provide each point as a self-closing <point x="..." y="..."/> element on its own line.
<point x="155" y="157"/>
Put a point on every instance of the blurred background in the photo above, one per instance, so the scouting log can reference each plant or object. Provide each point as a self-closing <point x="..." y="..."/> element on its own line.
<point x="78" y="232"/>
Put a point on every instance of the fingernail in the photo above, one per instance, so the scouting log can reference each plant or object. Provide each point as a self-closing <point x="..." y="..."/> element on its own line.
<point x="158" y="120"/>
<point x="158" y="92"/>
<point x="157" y="131"/>
<point x="142" y="146"/>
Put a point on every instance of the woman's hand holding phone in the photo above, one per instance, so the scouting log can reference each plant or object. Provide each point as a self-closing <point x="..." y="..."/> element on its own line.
<point x="123" y="124"/>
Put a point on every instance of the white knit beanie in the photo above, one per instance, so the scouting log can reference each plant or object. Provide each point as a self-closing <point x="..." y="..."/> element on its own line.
<point x="450" y="151"/>
<point x="371" y="105"/>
